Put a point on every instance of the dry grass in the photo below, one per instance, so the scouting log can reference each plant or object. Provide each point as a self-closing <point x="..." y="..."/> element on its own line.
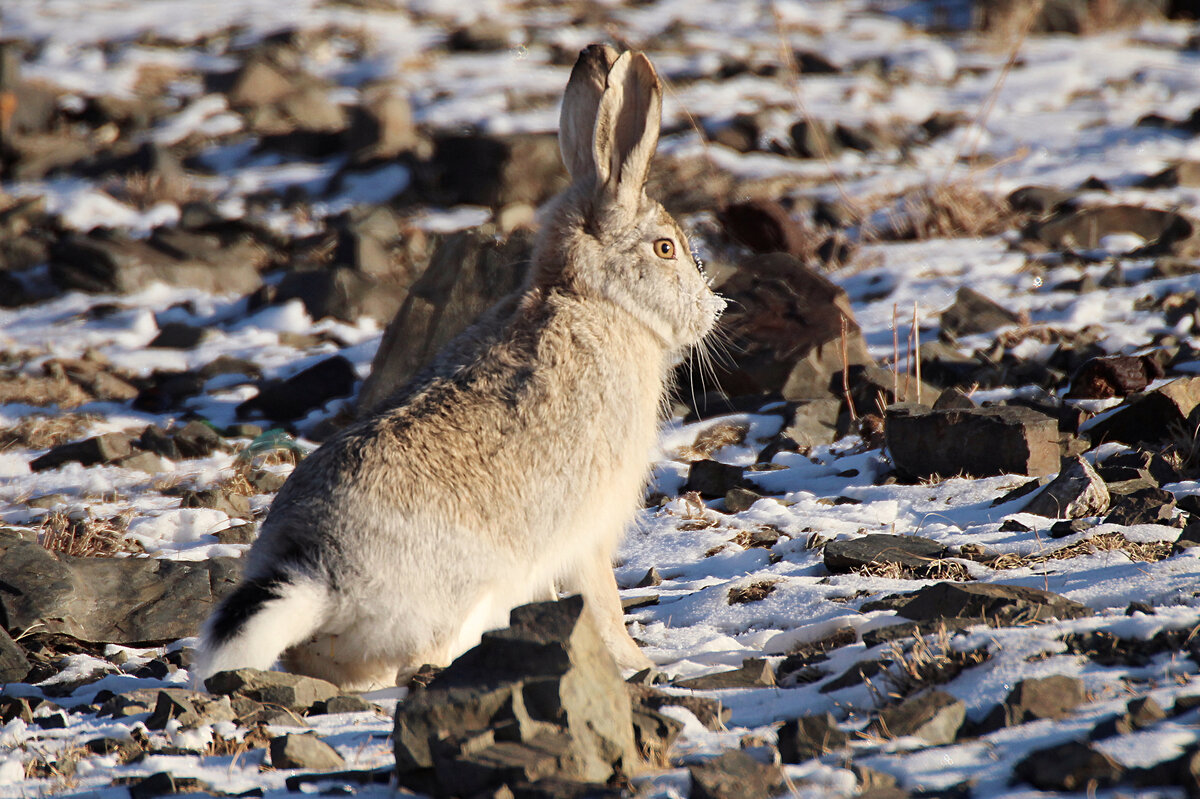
<point x="237" y="484"/>
<point x="59" y="767"/>
<point x="45" y="432"/>
<point x="711" y="439"/>
<point x="943" y="211"/>
<point x="927" y="661"/>
<point x="255" y="738"/>
<point x="755" y="592"/>
<point x="88" y="538"/>
<point x="144" y="191"/>
<point x="1137" y="551"/>
<point x="934" y="570"/>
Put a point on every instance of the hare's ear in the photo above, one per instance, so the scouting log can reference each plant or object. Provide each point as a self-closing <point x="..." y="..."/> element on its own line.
<point x="577" y="120"/>
<point x="627" y="125"/>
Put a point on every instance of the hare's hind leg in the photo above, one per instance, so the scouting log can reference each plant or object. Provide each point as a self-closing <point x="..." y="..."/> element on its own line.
<point x="595" y="580"/>
<point x="258" y="621"/>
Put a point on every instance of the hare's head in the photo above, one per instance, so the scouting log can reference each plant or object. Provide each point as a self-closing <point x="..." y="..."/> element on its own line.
<point x="603" y="237"/>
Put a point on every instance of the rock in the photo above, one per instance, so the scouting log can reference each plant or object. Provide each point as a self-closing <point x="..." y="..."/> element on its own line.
<point x="259" y="82"/>
<point x="1034" y="699"/>
<point x="485" y="34"/>
<point x="189" y="708"/>
<point x="1039" y="200"/>
<point x="164" y="784"/>
<point x="873" y="388"/>
<point x="178" y="336"/>
<point x="1002" y="605"/>
<point x="765" y="226"/>
<point x="304" y="751"/>
<point x="934" y="716"/>
<point x="381" y="127"/>
<point x="128" y="601"/>
<point x="111" y="263"/>
<point x="972" y="312"/>
<point x="343" y="704"/>
<point x="860" y="672"/>
<point x="1183" y="173"/>
<point x="303" y="392"/>
<point x="98" y="449"/>
<point x="911" y="553"/>
<point x="1066" y="528"/>
<point x="294" y="692"/>
<point x="197" y="440"/>
<point x="229" y="503"/>
<point x="542" y="697"/>
<point x="1165" y="232"/>
<point x="810" y="736"/>
<point x="1113" y="376"/>
<point x="1149" y="417"/>
<point x="812" y="422"/>
<point x="468" y="274"/>
<point x="13" y="664"/>
<point x="491" y="171"/>
<point x="1076" y="492"/>
<point x="1140" y="466"/>
<point x="1073" y="766"/>
<point x="953" y="398"/>
<point x="710" y="712"/>
<point x="1145" y="506"/>
<point x="712" y="479"/>
<point x="740" y="499"/>
<point x="979" y="442"/>
<point x="93" y="378"/>
<point x="654" y="733"/>
<point x="1140" y="713"/>
<point x="785" y="324"/>
<point x="814" y="139"/>
<point x="735" y="775"/>
<point x="155" y="440"/>
<point x="754" y="673"/>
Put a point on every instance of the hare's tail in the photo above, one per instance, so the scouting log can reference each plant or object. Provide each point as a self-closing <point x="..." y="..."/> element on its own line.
<point x="258" y="621"/>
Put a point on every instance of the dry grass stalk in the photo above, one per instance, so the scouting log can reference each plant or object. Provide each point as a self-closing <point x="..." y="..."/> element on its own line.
<point x="1138" y="551"/>
<point x="755" y="592"/>
<point x="846" y="374"/>
<point x="46" y="432"/>
<point x="711" y="439"/>
<point x="928" y="661"/>
<point x="237" y="484"/>
<point x="88" y="538"/>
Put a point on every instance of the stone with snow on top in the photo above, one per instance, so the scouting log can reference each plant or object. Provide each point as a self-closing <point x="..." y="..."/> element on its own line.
<point x="979" y="442"/>
<point x="1076" y="492"/>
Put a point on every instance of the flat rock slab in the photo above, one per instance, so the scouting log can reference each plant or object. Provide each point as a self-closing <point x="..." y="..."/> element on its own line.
<point x="294" y="692"/>
<point x="1075" y="493"/>
<point x="1149" y="417"/>
<point x="994" y="604"/>
<point x="128" y="601"/>
<point x="754" y="673"/>
<point x="909" y="552"/>
<point x="735" y="775"/>
<point x="980" y="442"/>
<point x="1037" y="698"/>
<point x="972" y="312"/>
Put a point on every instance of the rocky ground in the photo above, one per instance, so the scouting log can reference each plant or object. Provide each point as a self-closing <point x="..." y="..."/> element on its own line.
<point x="925" y="522"/>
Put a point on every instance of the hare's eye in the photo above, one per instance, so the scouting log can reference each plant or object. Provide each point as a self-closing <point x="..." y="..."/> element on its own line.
<point x="664" y="248"/>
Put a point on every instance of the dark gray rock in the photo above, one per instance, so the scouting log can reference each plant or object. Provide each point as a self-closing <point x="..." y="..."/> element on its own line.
<point x="1113" y="376"/>
<point x="291" y="691"/>
<point x="1073" y="766"/>
<point x="1075" y="493"/>
<point x="785" y="326"/>
<point x="127" y="601"/>
<point x="934" y="716"/>
<point x="304" y="751"/>
<point x="164" y="784"/>
<point x="972" y="312"/>
<point x="988" y="602"/>
<point x="233" y="505"/>
<point x="765" y="226"/>
<point x="178" y="336"/>
<point x="711" y="712"/>
<point x="1139" y="714"/>
<point x="1036" y="698"/>
<point x="468" y="274"/>
<point x="979" y="442"/>
<point x="808" y="737"/>
<point x="1139" y="465"/>
<point x="542" y="697"/>
<point x="911" y="553"/>
<point x="381" y="126"/>
<point x="343" y="704"/>
<point x="740" y="499"/>
<point x="654" y="733"/>
<point x="305" y="391"/>
<point x="813" y="422"/>
<point x="1039" y="200"/>
<point x="1149" y="505"/>
<point x="99" y="449"/>
<point x="1064" y="528"/>
<point x="189" y="708"/>
<point x="155" y="439"/>
<point x="1166" y="232"/>
<point x="754" y="673"/>
<point x="474" y="169"/>
<point x="92" y="262"/>
<point x="13" y="663"/>
<point x="814" y="139"/>
<point x="735" y="775"/>
<point x="712" y="479"/>
<point x="197" y="440"/>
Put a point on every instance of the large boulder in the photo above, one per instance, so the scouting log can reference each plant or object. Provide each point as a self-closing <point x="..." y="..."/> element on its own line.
<point x="971" y="441"/>
<point x="466" y="275"/>
<point x="542" y="698"/>
<point x="128" y="601"/>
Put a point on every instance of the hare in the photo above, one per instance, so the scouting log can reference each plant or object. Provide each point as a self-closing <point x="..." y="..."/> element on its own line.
<point x="516" y="460"/>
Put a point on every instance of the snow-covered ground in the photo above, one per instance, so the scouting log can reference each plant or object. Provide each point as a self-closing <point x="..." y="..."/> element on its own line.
<point x="1065" y="112"/>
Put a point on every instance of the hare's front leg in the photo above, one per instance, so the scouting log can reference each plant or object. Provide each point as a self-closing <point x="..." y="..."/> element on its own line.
<point x="594" y="579"/>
